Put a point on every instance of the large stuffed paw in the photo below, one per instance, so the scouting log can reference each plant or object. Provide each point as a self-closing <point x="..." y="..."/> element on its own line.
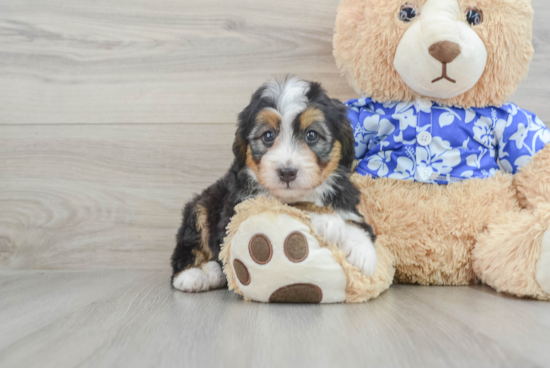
<point x="276" y="258"/>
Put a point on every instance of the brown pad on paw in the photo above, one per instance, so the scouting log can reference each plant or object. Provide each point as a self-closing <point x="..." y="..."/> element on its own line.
<point x="296" y="247"/>
<point x="242" y="272"/>
<point x="260" y="249"/>
<point x="297" y="293"/>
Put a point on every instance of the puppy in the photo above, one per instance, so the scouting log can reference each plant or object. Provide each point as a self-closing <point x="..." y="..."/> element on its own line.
<point x="293" y="143"/>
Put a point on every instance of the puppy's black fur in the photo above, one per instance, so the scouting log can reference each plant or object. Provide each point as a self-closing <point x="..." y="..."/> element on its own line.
<point x="219" y="200"/>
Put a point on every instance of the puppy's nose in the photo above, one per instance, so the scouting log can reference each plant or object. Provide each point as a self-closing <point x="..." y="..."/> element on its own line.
<point x="445" y="51"/>
<point x="287" y="174"/>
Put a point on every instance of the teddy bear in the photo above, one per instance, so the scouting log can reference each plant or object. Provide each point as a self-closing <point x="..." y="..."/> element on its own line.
<point x="454" y="179"/>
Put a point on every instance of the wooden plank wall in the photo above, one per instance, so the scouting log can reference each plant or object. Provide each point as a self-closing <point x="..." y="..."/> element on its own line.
<point x="112" y="113"/>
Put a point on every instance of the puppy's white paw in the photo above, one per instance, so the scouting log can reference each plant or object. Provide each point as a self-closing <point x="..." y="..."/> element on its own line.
<point x="214" y="273"/>
<point x="330" y="226"/>
<point x="359" y="250"/>
<point x="543" y="264"/>
<point x="192" y="280"/>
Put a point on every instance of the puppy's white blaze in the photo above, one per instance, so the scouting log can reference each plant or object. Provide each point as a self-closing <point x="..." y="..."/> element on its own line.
<point x="289" y="95"/>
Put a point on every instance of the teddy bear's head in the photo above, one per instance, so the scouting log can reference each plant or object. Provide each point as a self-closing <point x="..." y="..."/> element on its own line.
<point x="470" y="53"/>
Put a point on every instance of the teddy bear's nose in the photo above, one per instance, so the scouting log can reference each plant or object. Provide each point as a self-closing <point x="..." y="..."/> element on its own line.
<point x="445" y="51"/>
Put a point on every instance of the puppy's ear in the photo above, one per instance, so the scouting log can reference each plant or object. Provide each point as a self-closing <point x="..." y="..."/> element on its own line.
<point x="245" y="124"/>
<point x="240" y="145"/>
<point x="346" y="137"/>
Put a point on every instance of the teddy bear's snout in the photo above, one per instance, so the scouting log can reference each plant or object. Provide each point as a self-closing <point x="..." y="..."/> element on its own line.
<point x="445" y="51"/>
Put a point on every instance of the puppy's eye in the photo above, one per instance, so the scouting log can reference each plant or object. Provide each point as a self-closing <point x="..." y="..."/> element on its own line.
<point x="268" y="137"/>
<point x="474" y="16"/>
<point x="407" y="13"/>
<point x="312" y="136"/>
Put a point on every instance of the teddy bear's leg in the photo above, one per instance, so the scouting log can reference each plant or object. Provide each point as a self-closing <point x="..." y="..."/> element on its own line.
<point x="513" y="255"/>
<point x="533" y="181"/>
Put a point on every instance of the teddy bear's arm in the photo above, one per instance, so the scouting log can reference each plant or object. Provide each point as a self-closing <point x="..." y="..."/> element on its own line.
<point x="523" y="137"/>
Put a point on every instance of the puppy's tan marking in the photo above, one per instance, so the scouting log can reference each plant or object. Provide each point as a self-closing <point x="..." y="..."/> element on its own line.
<point x="310" y="116"/>
<point x="204" y="254"/>
<point x="335" y="156"/>
<point x="310" y="207"/>
<point x="272" y="118"/>
<point x="251" y="162"/>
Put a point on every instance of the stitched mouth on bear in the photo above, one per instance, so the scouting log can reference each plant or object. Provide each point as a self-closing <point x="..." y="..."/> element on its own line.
<point x="444" y="75"/>
<point x="444" y="52"/>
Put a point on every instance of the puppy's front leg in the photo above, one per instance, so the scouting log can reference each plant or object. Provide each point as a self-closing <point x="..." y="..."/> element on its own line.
<point x="349" y="236"/>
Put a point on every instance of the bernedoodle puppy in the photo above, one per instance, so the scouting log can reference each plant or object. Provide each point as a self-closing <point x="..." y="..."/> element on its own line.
<point x="295" y="144"/>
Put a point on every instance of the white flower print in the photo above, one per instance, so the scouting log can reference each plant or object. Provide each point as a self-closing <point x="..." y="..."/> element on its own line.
<point x="505" y="166"/>
<point x="387" y="147"/>
<point x="406" y="116"/>
<point x="448" y="117"/>
<point x="405" y="169"/>
<point x="520" y="135"/>
<point x="489" y="174"/>
<point x="475" y="160"/>
<point x="522" y="161"/>
<point x="483" y="132"/>
<point x="511" y="109"/>
<point x="544" y="132"/>
<point x="439" y="155"/>
<point x="373" y="131"/>
<point x="470" y="116"/>
<point x="379" y="162"/>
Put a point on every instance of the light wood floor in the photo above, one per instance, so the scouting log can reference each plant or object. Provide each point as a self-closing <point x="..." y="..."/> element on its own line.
<point x="112" y="114"/>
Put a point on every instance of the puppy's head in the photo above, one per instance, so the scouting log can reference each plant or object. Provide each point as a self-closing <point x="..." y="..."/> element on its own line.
<point x="293" y="137"/>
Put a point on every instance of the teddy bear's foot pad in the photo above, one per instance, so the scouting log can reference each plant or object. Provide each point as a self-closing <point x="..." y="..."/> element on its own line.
<point x="543" y="264"/>
<point x="297" y="293"/>
<point x="284" y="263"/>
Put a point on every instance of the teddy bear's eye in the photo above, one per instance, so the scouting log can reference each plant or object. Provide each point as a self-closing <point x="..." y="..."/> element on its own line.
<point x="474" y="16"/>
<point x="408" y="12"/>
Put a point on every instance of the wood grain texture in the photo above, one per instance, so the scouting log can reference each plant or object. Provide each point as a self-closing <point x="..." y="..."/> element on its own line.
<point x="98" y="196"/>
<point x="134" y="319"/>
<point x="177" y="61"/>
<point x="150" y="61"/>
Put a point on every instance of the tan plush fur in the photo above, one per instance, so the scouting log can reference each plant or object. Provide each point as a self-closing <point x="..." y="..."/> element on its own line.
<point x="506" y="255"/>
<point x="368" y="32"/>
<point x="462" y="233"/>
<point x="533" y="181"/>
<point x="359" y="288"/>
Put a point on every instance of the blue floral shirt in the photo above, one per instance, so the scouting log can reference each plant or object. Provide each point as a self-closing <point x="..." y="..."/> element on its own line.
<point x="429" y="143"/>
